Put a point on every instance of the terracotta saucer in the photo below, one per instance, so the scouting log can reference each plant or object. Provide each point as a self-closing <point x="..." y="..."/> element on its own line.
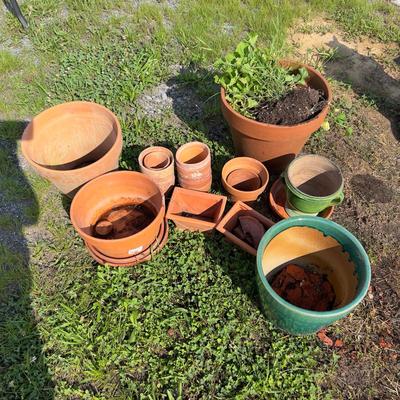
<point x="146" y="255"/>
<point x="277" y="201"/>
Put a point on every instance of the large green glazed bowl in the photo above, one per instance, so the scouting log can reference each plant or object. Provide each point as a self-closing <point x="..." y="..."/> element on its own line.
<point x="317" y="241"/>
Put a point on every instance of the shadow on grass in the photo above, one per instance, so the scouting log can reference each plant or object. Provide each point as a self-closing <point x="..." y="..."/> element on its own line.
<point x="367" y="77"/>
<point x="23" y="370"/>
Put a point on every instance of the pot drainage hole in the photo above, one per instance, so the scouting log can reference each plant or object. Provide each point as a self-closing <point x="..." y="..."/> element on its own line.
<point x="304" y="288"/>
<point x="123" y="221"/>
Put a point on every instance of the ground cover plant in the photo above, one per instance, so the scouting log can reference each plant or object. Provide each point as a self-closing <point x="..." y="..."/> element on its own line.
<point x="187" y="324"/>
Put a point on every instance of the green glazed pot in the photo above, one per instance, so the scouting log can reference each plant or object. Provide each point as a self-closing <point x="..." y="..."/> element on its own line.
<point x="313" y="183"/>
<point x="315" y="241"/>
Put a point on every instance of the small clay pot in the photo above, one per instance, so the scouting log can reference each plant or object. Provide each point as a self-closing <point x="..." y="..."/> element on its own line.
<point x="275" y="145"/>
<point x="193" y="165"/>
<point x="230" y="220"/>
<point x="110" y="191"/>
<point x="158" y="163"/>
<point x="72" y="143"/>
<point x="244" y="178"/>
<point x="195" y="211"/>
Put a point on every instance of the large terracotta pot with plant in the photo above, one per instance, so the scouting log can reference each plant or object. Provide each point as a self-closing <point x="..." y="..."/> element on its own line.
<point x="72" y="143"/>
<point x="273" y="144"/>
<point x="118" y="192"/>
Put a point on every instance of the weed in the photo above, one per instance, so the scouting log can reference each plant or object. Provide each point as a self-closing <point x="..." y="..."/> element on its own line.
<point x="251" y="75"/>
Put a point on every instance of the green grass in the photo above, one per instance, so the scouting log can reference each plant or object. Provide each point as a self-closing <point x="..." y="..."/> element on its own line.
<point x="377" y="19"/>
<point x="8" y="62"/>
<point x="112" y="74"/>
<point x="186" y="324"/>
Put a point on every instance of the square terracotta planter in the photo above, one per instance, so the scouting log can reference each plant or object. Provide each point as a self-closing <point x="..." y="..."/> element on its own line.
<point x="230" y="221"/>
<point x="195" y="211"/>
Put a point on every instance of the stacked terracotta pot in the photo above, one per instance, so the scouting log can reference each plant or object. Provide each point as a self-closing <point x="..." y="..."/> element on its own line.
<point x="120" y="216"/>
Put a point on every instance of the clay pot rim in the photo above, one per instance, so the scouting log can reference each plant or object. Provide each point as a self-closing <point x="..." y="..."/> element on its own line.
<point x="39" y="167"/>
<point x="94" y="239"/>
<point x="308" y="221"/>
<point x="155" y="149"/>
<point x="194" y="165"/>
<point x="231" y="189"/>
<point x="279" y="185"/>
<point x="311" y="197"/>
<point x="130" y="261"/>
<point x="295" y="64"/>
<point x="172" y="217"/>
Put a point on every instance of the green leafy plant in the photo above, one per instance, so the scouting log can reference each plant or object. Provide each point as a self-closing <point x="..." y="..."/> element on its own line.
<point x="251" y="75"/>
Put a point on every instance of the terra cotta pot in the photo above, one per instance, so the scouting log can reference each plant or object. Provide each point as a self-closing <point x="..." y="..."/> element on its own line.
<point x="158" y="163"/>
<point x="195" y="211"/>
<point x="130" y="261"/>
<point x="230" y="220"/>
<point x="116" y="189"/>
<point x="193" y="165"/>
<point x="72" y="143"/>
<point x="275" y="145"/>
<point x="244" y="178"/>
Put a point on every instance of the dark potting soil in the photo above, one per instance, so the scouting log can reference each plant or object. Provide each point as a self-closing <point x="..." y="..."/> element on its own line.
<point x="304" y="288"/>
<point x="123" y="221"/>
<point x="299" y="105"/>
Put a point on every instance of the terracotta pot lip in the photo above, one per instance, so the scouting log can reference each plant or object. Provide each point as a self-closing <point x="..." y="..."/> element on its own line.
<point x="306" y="221"/>
<point x="194" y="165"/>
<point x="254" y="162"/>
<point x="155" y="149"/>
<point x="294" y="127"/>
<point x="134" y="260"/>
<point x="315" y="156"/>
<point x="93" y="182"/>
<point x="116" y="144"/>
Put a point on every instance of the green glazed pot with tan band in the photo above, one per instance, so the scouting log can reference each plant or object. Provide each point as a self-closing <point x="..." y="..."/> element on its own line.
<point x="309" y="240"/>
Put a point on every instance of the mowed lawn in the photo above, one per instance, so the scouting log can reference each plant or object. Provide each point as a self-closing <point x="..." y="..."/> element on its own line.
<point x="186" y="325"/>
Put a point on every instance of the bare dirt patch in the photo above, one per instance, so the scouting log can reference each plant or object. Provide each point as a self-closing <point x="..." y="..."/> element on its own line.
<point x="366" y="64"/>
<point x="368" y="367"/>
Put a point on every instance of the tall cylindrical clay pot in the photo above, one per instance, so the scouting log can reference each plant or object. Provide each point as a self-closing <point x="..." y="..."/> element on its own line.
<point x="158" y="163"/>
<point x="193" y="165"/>
<point x="275" y="145"/>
